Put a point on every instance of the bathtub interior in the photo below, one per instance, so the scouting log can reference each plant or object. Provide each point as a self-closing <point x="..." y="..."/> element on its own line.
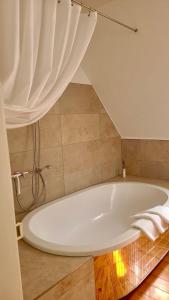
<point x="96" y="215"/>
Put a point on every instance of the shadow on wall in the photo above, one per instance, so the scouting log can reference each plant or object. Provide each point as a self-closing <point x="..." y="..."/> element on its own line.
<point x="77" y="138"/>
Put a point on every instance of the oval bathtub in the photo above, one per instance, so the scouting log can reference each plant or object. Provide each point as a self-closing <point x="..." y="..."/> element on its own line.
<point x="93" y="221"/>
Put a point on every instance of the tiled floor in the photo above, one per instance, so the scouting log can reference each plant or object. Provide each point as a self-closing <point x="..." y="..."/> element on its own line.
<point x="156" y="286"/>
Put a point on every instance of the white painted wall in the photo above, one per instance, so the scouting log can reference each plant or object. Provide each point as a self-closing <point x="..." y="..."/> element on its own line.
<point x="80" y="77"/>
<point x="130" y="72"/>
<point x="10" y="278"/>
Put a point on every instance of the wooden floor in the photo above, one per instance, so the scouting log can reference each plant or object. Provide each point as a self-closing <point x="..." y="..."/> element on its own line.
<point x="156" y="286"/>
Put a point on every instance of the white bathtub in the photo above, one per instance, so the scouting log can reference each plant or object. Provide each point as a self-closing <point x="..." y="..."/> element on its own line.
<point x="93" y="221"/>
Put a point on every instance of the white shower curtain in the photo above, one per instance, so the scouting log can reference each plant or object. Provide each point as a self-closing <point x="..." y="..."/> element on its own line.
<point x="42" y="43"/>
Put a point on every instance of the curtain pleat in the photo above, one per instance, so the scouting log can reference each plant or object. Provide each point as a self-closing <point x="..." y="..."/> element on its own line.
<point x="10" y="44"/>
<point x="42" y="45"/>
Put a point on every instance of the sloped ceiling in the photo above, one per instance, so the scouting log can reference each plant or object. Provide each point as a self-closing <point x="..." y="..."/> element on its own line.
<point x="130" y="71"/>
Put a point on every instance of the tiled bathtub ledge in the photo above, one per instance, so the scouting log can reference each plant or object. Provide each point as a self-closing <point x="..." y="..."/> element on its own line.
<point x="46" y="276"/>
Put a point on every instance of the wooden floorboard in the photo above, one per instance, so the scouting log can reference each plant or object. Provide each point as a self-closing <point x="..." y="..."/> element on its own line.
<point x="155" y="286"/>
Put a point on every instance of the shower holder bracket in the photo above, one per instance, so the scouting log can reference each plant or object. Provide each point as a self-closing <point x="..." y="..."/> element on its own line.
<point x="19" y="231"/>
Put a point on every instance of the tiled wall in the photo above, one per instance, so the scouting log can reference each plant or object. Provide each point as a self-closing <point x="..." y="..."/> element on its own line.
<point x="146" y="158"/>
<point x="77" y="138"/>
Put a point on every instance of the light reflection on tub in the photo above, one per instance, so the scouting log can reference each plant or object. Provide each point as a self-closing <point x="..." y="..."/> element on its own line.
<point x="119" y="264"/>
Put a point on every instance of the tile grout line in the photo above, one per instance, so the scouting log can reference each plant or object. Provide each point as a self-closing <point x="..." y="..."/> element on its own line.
<point x="63" y="164"/>
<point x="60" y="145"/>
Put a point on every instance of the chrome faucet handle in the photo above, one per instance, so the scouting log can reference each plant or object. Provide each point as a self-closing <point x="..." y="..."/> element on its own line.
<point x="47" y="167"/>
<point x="18" y="184"/>
<point x="26" y="173"/>
<point x="16" y="176"/>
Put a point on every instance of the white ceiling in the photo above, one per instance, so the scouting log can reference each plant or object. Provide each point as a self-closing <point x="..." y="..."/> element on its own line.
<point x="130" y="71"/>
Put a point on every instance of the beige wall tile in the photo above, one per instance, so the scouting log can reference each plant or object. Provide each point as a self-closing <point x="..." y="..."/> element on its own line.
<point x="80" y="128"/>
<point x="84" y="178"/>
<point x="132" y="155"/>
<point x="53" y="177"/>
<point x="81" y="179"/>
<point x="79" y="99"/>
<point x="56" y="108"/>
<point x="83" y="155"/>
<point x="20" y="139"/>
<point x="131" y="150"/>
<point x="21" y="161"/>
<point x="133" y="167"/>
<point x="79" y="156"/>
<point x="108" y="158"/>
<point x="55" y="187"/>
<point x="108" y="150"/>
<point x="80" y="170"/>
<point x="146" y="158"/>
<point x="154" y="150"/>
<point x="53" y="157"/>
<point x="154" y="169"/>
<point x="50" y="127"/>
<point x="89" y="163"/>
<point x="25" y="199"/>
<point x="107" y="129"/>
<point x="77" y="138"/>
<point x="110" y="170"/>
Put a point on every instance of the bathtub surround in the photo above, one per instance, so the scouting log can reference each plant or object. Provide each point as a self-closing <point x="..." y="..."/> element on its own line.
<point x="77" y="138"/>
<point x="64" y="277"/>
<point x="51" y="277"/>
<point x="146" y="158"/>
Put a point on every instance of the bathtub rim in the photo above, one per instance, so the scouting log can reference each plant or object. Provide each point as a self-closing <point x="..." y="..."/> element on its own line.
<point x="124" y="239"/>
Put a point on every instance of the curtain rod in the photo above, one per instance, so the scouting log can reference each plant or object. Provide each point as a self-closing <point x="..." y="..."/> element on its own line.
<point x="105" y="16"/>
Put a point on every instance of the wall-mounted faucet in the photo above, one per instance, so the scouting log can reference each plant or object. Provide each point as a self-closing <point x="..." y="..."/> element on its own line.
<point x="17" y="175"/>
<point x="47" y="167"/>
